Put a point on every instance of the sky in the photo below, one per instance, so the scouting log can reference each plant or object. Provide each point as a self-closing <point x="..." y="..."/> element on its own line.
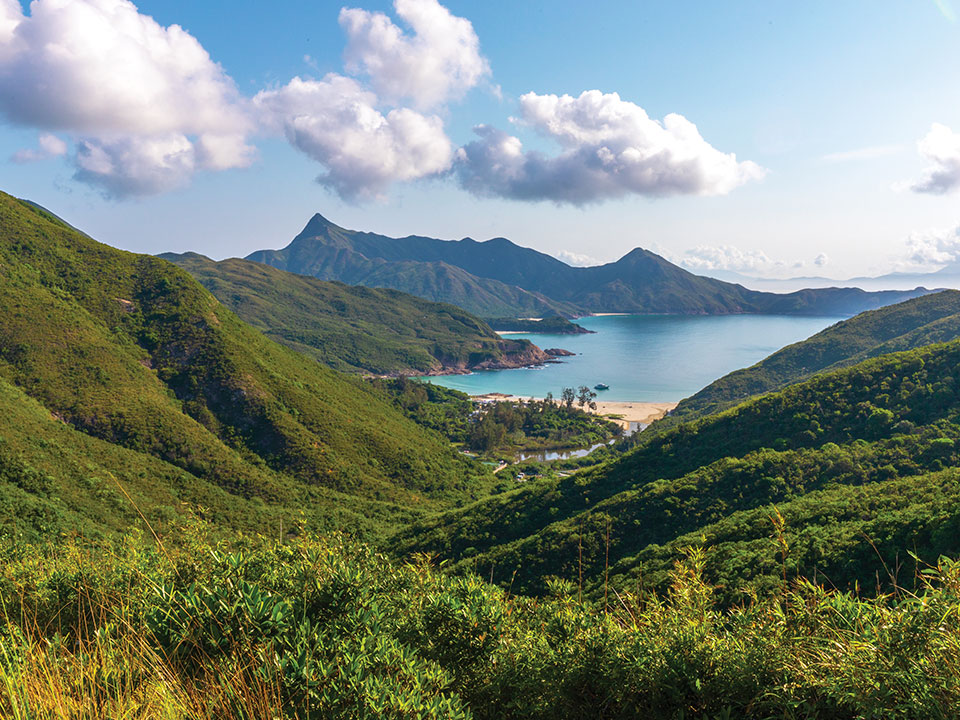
<point x="771" y="139"/>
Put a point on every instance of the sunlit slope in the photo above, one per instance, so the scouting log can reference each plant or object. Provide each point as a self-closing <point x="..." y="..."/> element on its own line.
<point x="354" y="328"/>
<point x="851" y="457"/>
<point x="903" y="326"/>
<point x="133" y="351"/>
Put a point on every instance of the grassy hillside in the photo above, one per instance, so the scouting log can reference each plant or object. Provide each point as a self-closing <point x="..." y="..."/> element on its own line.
<point x="913" y="323"/>
<point x="131" y="351"/>
<point x="860" y="462"/>
<point x="349" y="328"/>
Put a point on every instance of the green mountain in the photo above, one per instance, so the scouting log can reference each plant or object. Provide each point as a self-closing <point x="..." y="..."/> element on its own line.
<point x="353" y="328"/>
<point x="497" y="278"/>
<point x="904" y="326"/>
<point x="860" y="462"/>
<point x="121" y="375"/>
<point x="326" y="251"/>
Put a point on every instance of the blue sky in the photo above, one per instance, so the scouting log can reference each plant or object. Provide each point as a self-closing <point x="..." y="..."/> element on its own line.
<point x="823" y="105"/>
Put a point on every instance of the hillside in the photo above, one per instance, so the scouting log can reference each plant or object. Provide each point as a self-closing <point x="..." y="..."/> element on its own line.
<point x="860" y="462"/>
<point x="904" y="326"/>
<point x="498" y="278"/>
<point x="140" y="381"/>
<point x="352" y="328"/>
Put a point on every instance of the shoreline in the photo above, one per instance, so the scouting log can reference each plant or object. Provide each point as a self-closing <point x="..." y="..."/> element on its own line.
<point x="631" y="411"/>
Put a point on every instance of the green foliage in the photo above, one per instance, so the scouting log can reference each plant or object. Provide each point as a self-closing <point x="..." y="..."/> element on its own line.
<point x="187" y="404"/>
<point x="903" y="326"/>
<point x="371" y="330"/>
<point x="323" y="628"/>
<point x="859" y="462"/>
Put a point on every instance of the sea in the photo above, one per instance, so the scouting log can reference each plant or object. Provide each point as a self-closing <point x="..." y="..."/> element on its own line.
<point x="645" y="358"/>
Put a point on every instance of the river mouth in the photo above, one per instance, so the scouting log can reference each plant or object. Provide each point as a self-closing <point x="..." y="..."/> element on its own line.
<point x="543" y="456"/>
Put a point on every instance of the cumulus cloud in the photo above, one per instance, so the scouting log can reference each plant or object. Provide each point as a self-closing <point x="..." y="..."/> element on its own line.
<point x="147" y="104"/>
<point x="933" y="248"/>
<point x="335" y="122"/>
<point x="576" y="259"/>
<point x="609" y="148"/>
<point x="48" y="146"/>
<point x="727" y="257"/>
<point x="941" y="146"/>
<point x="439" y="62"/>
<point x="821" y="260"/>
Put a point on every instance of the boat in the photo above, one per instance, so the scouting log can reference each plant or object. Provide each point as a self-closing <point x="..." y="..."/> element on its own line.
<point x="601" y="386"/>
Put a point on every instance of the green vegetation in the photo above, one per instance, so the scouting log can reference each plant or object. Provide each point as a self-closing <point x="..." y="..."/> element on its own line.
<point x="859" y="462"/>
<point x="141" y="382"/>
<point x="555" y="325"/>
<point x="904" y="326"/>
<point x="314" y="628"/>
<point x="503" y="427"/>
<point x="499" y="279"/>
<point x="378" y="331"/>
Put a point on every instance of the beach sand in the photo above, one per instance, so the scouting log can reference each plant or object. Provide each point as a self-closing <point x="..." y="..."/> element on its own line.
<point x="628" y="410"/>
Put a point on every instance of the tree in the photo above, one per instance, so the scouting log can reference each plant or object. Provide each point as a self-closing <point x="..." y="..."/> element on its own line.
<point x="567" y="396"/>
<point x="585" y="395"/>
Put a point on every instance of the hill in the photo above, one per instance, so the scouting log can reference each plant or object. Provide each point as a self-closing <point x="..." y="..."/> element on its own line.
<point x="498" y="278"/>
<point x="350" y="328"/>
<point x="904" y="326"/>
<point x="139" y="381"/>
<point x="859" y="462"/>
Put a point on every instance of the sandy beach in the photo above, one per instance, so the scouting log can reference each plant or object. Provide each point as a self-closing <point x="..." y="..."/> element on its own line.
<point x="628" y="410"/>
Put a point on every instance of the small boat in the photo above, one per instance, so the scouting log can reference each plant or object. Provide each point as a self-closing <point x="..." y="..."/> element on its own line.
<point x="601" y="386"/>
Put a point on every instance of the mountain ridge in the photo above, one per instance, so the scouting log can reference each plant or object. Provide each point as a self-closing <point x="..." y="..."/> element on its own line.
<point x="498" y="278"/>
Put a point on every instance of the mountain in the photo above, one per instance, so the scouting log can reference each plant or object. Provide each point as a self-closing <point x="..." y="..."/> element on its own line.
<point x="910" y="324"/>
<point x="498" y="278"/>
<point x="351" y="328"/>
<point x="328" y="252"/>
<point x="128" y="389"/>
<point x="860" y="463"/>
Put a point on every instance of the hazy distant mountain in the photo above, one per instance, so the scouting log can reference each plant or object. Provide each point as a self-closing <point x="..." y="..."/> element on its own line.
<point x="498" y="278"/>
<point x="948" y="277"/>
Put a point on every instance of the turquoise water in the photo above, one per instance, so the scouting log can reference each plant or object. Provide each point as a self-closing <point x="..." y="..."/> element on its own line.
<point x="647" y="358"/>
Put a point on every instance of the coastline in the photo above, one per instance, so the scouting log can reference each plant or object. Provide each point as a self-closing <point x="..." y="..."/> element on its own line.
<point x="630" y="411"/>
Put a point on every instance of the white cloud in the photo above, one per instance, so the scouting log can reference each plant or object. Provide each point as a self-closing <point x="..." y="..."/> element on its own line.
<point x="727" y="257"/>
<point x="864" y="153"/>
<point x="335" y="122"/>
<point x="439" y="62"/>
<point x="610" y="148"/>
<point x="941" y="146"/>
<point x="48" y="146"/>
<point x="933" y="248"/>
<point x="821" y="260"/>
<point x="576" y="259"/>
<point x="148" y="105"/>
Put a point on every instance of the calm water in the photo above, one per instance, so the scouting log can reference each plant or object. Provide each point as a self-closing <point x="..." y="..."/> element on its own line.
<point x="646" y="357"/>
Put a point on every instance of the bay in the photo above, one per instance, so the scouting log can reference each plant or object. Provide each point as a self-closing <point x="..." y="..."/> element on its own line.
<point x="646" y="358"/>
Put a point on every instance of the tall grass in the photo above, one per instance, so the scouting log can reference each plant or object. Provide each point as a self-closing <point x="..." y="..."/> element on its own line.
<point x="324" y="628"/>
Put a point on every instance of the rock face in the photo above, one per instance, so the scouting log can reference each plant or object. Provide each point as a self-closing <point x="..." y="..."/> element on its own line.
<point x="558" y="352"/>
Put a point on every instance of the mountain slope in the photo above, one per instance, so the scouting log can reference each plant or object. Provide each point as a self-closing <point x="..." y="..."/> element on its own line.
<point x="498" y="278"/>
<point x="351" y="328"/>
<point x="913" y="323"/>
<point x="132" y="351"/>
<point x="861" y="462"/>
<point x="328" y="252"/>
